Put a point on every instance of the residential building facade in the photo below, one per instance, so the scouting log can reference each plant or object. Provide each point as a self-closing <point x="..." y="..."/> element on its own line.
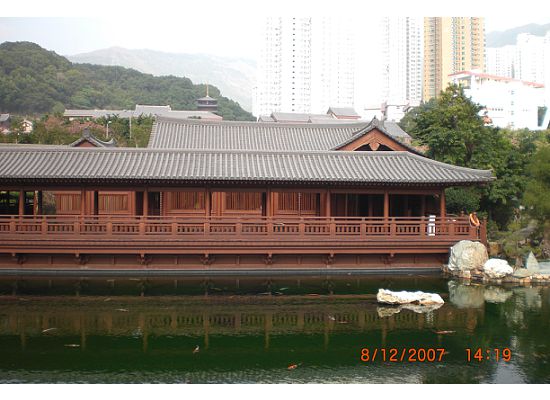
<point x="402" y="64"/>
<point x="509" y="103"/>
<point x="451" y="45"/>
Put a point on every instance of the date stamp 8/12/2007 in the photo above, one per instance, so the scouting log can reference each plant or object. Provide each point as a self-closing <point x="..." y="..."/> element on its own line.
<point x="414" y="355"/>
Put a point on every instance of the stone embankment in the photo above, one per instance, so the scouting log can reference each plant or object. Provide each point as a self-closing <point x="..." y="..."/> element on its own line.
<point x="469" y="261"/>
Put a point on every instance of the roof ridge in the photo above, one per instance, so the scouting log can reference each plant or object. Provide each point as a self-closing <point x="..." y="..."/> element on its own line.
<point x="260" y="124"/>
<point x="258" y="152"/>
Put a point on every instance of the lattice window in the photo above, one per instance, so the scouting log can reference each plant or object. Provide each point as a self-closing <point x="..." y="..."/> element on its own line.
<point x="298" y="202"/>
<point x="187" y="200"/>
<point x="243" y="201"/>
<point x="67" y="203"/>
<point x="112" y="203"/>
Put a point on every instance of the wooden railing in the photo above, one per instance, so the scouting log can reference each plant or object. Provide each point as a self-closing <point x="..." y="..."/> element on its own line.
<point x="249" y="228"/>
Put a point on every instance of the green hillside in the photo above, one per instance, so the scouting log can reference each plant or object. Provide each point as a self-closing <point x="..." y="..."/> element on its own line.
<point x="34" y="80"/>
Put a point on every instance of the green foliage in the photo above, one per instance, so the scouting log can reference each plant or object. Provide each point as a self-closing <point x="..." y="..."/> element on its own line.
<point x="451" y="128"/>
<point x="408" y="122"/>
<point x="537" y="195"/>
<point x="462" y="199"/>
<point x="34" y="80"/>
<point x="455" y="133"/>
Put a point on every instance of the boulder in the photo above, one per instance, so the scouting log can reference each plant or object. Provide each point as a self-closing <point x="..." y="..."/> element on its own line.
<point x="522" y="273"/>
<point x="531" y="263"/>
<point x="389" y="297"/>
<point x="467" y="255"/>
<point x="495" y="268"/>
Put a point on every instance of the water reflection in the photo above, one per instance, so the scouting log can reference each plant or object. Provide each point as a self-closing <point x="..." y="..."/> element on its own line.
<point x="224" y="336"/>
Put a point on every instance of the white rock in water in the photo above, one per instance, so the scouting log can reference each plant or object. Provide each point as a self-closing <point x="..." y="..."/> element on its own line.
<point x="384" y="312"/>
<point x="389" y="297"/>
<point x="467" y="255"/>
<point x="496" y="294"/>
<point x="466" y="296"/>
<point x="495" y="268"/>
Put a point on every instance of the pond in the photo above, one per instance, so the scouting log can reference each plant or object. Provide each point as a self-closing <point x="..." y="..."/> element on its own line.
<point x="269" y="330"/>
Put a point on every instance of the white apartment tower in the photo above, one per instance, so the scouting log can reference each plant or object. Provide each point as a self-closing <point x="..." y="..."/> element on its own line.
<point x="402" y="55"/>
<point x="305" y="65"/>
<point x="527" y="60"/>
<point x="284" y="67"/>
<point x="500" y="61"/>
<point x="333" y="63"/>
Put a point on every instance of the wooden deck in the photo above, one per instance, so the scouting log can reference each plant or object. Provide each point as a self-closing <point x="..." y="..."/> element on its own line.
<point x="193" y="242"/>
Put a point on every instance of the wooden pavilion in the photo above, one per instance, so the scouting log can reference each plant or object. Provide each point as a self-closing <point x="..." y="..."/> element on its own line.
<point x="233" y="197"/>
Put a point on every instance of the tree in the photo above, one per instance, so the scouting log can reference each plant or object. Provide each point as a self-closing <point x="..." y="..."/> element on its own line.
<point x="537" y="194"/>
<point x="455" y="133"/>
<point x="451" y="127"/>
<point x="34" y="80"/>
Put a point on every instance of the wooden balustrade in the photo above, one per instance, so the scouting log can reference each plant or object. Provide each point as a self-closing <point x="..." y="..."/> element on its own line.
<point x="253" y="228"/>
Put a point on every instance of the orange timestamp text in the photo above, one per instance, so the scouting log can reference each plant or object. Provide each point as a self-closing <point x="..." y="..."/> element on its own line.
<point x="410" y="355"/>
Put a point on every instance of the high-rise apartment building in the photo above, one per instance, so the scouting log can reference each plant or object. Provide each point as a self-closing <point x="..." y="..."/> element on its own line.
<point x="305" y="65"/>
<point x="284" y="67"/>
<point x="333" y="63"/>
<point x="527" y="60"/>
<point x="499" y="61"/>
<point x="451" y="45"/>
<point x="402" y="64"/>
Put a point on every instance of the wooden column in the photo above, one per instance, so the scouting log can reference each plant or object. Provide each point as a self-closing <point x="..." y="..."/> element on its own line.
<point x="145" y="203"/>
<point x="328" y="204"/>
<point x="386" y="204"/>
<point x="21" y="202"/>
<point x="268" y="203"/>
<point x="442" y="204"/>
<point x="95" y="202"/>
<point x="83" y="194"/>
<point x="208" y="202"/>
<point x="35" y="203"/>
<point x="40" y="202"/>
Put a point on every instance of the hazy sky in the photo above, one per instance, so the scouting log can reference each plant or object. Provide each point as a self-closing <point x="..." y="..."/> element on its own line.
<point x="227" y="28"/>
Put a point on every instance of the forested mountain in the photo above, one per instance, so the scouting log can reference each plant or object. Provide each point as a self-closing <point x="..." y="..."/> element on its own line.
<point x="34" y="80"/>
<point x="233" y="76"/>
<point x="503" y="38"/>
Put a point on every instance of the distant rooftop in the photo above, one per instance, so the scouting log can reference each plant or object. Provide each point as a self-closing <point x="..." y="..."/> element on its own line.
<point x="143" y="110"/>
<point x="495" y="78"/>
<point x="343" y="112"/>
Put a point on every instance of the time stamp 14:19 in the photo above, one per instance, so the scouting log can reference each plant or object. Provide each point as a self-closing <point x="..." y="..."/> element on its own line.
<point x="421" y="354"/>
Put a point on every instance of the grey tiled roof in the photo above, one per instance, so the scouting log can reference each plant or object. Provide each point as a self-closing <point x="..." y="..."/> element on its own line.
<point x="96" y="113"/>
<point x="343" y="111"/>
<point x="151" y="110"/>
<point x="165" y="111"/>
<point x="119" y="165"/>
<point x="228" y="135"/>
<point x="4" y="117"/>
<point x="297" y="117"/>
<point x="192" y="114"/>
<point x="87" y="135"/>
<point x="395" y="130"/>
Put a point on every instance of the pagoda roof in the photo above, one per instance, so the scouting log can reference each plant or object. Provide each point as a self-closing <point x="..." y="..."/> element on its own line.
<point x="119" y="166"/>
<point x="170" y="133"/>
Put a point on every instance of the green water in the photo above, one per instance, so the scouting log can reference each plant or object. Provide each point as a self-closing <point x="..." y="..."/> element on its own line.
<point x="252" y="330"/>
